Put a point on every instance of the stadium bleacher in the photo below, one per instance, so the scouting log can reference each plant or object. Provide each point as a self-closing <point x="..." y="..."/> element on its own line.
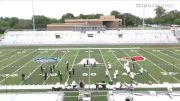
<point x="89" y="37"/>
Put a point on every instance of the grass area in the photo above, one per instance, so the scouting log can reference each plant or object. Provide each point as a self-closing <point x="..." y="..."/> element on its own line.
<point x="70" y="98"/>
<point x="95" y="96"/>
<point x="99" y="98"/>
<point x="160" y="65"/>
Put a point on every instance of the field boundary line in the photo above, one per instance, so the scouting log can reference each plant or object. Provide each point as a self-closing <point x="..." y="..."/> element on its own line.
<point x="72" y="65"/>
<point x="105" y="65"/>
<point x="16" y="60"/>
<point x="84" y="48"/>
<point x="35" y="69"/>
<point x="55" y="67"/>
<point x="161" y="68"/>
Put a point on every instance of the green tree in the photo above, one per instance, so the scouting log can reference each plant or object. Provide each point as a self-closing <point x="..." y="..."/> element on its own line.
<point x="131" y="20"/>
<point x="23" y="24"/>
<point x="41" y="21"/>
<point x="96" y="16"/>
<point x="177" y="21"/>
<point x="13" y="21"/>
<point x="169" y="17"/>
<point x="160" y="11"/>
<point x="89" y="16"/>
<point x="53" y="20"/>
<point x="117" y="14"/>
<point x="66" y="16"/>
<point x="149" y="20"/>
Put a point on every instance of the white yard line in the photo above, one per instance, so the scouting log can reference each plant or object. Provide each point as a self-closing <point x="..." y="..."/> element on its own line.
<point x="72" y="65"/>
<point x="19" y="68"/>
<point x="116" y="58"/>
<point x="7" y="53"/>
<point x="161" y="68"/>
<point x="144" y="69"/>
<point x="105" y="65"/>
<point x="55" y="67"/>
<point x="163" y="59"/>
<point x="2" y="51"/>
<point x="16" y="60"/>
<point x="7" y="58"/>
<point x="139" y="65"/>
<point x="89" y="53"/>
<point x="171" y="52"/>
<point x="35" y="69"/>
<point x="169" y="55"/>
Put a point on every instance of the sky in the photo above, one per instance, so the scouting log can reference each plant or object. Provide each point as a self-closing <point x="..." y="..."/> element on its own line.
<point x="56" y="8"/>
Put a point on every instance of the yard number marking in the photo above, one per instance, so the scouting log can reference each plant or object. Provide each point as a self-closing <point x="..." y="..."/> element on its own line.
<point x="86" y="74"/>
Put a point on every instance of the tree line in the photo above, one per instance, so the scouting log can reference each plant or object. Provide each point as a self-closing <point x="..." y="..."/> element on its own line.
<point x="128" y="20"/>
<point x="164" y="18"/>
<point x="41" y="21"/>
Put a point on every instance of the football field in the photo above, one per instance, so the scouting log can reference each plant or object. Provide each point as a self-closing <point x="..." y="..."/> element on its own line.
<point x="159" y="65"/>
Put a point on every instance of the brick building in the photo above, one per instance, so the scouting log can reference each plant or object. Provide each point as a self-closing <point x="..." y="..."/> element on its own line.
<point x="108" y="22"/>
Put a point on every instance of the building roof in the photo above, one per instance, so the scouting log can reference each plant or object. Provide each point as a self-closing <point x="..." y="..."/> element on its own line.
<point x="86" y="20"/>
<point x="65" y="24"/>
<point x="102" y="18"/>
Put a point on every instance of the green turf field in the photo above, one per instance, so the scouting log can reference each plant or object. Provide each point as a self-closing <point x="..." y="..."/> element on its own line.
<point x="160" y="65"/>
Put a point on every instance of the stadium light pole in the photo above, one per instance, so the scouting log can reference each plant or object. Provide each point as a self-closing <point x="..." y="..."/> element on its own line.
<point x="143" y="16"/>
<point x="124" y="21"/>
<point x="34" y="27"/>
